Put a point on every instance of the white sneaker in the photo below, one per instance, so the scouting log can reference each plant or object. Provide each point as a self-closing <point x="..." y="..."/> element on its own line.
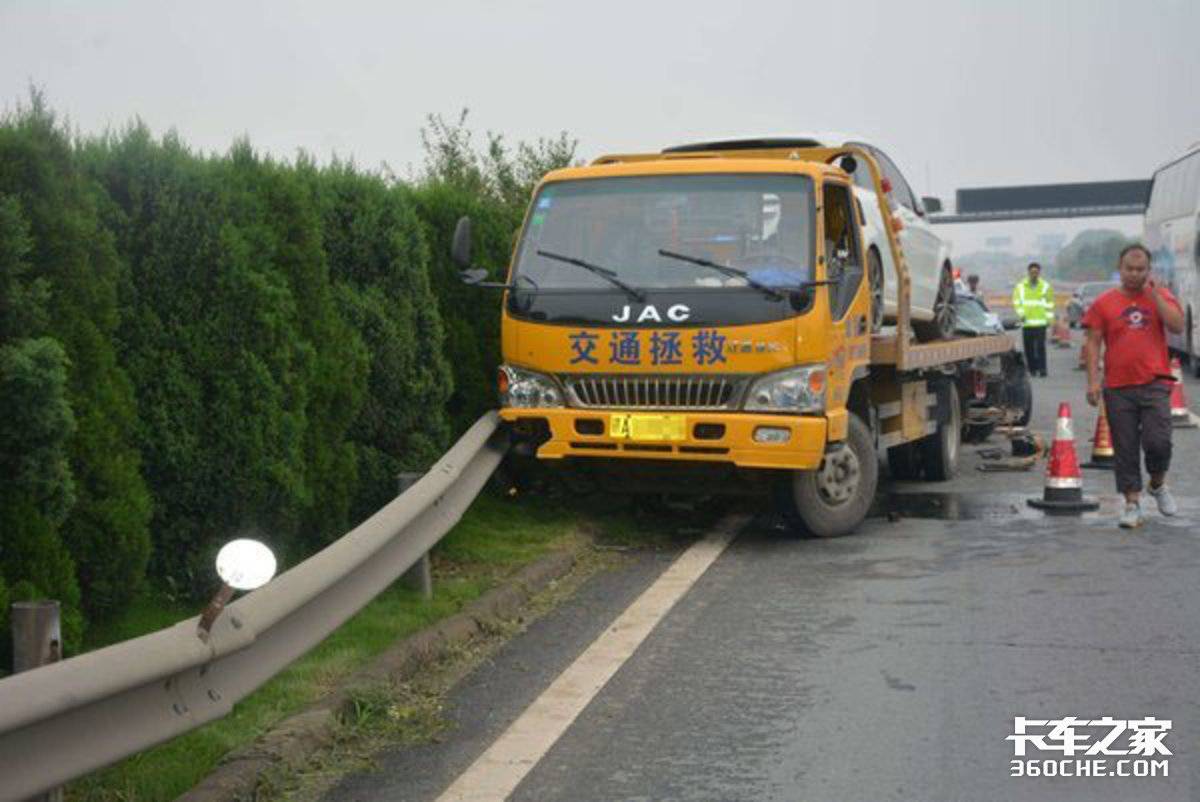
<point x="1132" y="517"/>
<point x="1166" y="502"/>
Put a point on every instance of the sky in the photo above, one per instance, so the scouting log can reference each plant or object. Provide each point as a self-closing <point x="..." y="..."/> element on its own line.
<point x="960" y="94"/>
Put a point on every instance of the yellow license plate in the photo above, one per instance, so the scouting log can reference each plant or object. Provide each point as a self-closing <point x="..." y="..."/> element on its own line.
<point x="648" y="427"/>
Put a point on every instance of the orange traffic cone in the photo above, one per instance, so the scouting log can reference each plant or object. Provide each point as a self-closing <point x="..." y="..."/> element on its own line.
<point x="1103" y="455"/>
<point x="1064" y="481"/>
<point x="1181" y="416"/>
<point x="1062" y="333"/>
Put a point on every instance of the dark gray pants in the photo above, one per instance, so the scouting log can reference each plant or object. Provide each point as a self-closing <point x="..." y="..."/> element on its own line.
<point x="1139" y="418"/>
<point x="1035" y="349"/>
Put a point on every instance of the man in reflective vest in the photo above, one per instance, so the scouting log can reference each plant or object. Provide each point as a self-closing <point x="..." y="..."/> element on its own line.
<point x="1033" y="301"/>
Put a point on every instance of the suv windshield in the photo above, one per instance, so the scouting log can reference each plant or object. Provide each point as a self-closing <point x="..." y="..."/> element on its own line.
<point x="761" y="225"/>
<point x="973" y="316"/>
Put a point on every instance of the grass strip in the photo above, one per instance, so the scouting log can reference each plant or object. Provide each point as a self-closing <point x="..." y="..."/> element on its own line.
<point x="495" y="537"/>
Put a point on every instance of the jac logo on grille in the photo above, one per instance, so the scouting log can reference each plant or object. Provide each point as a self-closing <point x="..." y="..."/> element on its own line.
<point x="676" y="313"/>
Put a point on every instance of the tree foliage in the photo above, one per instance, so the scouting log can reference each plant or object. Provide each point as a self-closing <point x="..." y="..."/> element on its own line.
<point x="492" y="186"/>
<point x="1090" y="256"/>
<point x="497" y="173"/>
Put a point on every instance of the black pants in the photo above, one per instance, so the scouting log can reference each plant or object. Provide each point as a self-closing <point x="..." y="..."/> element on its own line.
<point x="1035" y="349"/>
<point x="1139" y="418"/>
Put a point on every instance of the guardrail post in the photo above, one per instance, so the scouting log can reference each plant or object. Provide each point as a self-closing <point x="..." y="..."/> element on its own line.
<point x="420" y="576"/>
<point x="37" y="641"/>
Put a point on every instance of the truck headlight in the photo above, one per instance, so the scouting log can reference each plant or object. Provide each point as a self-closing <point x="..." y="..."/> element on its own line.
<point x="527" y="389"/>
<point x="792" y="390"/>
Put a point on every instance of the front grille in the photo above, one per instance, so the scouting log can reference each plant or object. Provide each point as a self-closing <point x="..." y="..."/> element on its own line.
<point x="654" y="392"/>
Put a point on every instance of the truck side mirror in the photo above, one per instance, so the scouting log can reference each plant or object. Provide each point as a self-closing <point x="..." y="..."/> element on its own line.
<point x="803" y="298"/>
<point x="473" y="276"/>
<point x="460" y="248"/>
<point x="932" y="205"/>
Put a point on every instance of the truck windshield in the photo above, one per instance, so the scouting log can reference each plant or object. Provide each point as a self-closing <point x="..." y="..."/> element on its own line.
<point x="761" y="225"/>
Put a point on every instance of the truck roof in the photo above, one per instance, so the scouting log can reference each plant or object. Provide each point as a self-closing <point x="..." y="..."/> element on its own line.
<point x="630" y="164"/>
<point x="818" y="139"/>
<point x="767" y="143"/>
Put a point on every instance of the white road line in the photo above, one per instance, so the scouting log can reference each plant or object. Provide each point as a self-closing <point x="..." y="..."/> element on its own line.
<point x="496" y="773"/>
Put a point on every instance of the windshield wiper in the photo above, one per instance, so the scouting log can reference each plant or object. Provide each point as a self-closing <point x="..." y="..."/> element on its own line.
<point x="726" y="269"/>
<point x="742" y="274"/>
<point x="603" y="272"/>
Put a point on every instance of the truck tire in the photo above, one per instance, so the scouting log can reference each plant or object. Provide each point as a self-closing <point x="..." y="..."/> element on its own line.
<point x="904" y="462"/>
<point x="833" y="500"/>
<point x="939" y="451"/>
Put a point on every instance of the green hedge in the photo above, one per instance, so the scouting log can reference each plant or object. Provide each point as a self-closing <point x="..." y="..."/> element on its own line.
<point x="62" y="259"/>
<point x="195" y="347"/>
<point x="379" y="260"/>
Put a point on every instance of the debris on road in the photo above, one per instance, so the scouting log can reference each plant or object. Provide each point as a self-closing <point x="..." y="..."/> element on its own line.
<point x="1009" y="464"/>
<point x="1028" y="445"/>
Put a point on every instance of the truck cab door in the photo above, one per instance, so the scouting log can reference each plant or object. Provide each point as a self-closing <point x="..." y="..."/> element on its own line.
<point x="849" y="300"/>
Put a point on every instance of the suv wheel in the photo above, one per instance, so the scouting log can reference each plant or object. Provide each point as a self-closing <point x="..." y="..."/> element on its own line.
<point x="945" y="313"/>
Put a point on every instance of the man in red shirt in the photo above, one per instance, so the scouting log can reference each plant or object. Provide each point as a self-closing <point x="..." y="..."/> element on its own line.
<point x="1130" y="322"/>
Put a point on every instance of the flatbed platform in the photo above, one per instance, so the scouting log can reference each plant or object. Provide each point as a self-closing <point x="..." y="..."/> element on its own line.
<point x="887" y="349"/>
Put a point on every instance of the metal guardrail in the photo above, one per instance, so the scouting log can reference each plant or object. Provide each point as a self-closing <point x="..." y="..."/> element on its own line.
<point x="70" y="718"/>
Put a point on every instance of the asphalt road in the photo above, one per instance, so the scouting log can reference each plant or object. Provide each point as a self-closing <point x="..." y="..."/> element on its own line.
<point x="886" y="665"/>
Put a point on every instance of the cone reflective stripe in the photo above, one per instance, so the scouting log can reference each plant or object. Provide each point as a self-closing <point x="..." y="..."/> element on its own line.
<point x="1103" y="455"/>
<point x="1064" y="481"/>
<point x="1181" y="416"/>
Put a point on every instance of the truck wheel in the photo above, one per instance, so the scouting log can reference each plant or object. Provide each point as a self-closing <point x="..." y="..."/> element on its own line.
<point x="939" y="451"/>
<point x="834" y="499"/>
<point x="875" y="276"/>
<point x="945" y="313"/>
<point x="904" y="463"/>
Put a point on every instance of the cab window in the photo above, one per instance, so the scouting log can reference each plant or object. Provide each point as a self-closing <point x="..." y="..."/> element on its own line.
<point x="843" y="253"/>
<point x="757" y="223"/>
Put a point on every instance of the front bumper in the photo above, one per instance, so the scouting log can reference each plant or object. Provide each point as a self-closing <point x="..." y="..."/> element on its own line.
<point x="710" y="437"/>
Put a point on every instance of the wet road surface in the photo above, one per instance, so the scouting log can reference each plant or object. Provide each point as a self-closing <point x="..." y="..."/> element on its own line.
<point x="886" y="665"/>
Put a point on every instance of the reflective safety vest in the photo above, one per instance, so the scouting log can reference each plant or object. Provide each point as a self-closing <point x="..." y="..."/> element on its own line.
<point x="1034" y="305"/>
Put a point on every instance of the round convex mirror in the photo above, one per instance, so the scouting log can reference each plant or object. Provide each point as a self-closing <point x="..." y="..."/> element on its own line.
<point x="245" y="564"/>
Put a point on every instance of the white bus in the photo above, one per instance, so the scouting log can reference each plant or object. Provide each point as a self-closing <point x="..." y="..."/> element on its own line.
<point x="1171" y="234"/>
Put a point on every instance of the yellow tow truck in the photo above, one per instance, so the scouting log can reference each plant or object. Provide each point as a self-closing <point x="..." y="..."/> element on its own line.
<point x="713" y="308"/>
